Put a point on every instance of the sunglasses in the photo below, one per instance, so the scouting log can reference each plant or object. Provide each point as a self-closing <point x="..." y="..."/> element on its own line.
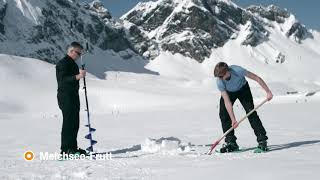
<point x="79" y="53"/>
<point x="221" y="76"/>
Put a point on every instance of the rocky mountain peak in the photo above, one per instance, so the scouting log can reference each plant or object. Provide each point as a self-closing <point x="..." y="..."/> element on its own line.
<point x="43" y="29"/>
<point x="195" y="27"/>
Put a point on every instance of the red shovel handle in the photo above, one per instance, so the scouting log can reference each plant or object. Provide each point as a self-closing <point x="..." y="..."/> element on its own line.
<point x="212" y="147"/>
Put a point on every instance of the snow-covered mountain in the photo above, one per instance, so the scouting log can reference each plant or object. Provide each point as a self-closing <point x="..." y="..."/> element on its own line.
<point x="43" y="29"/>
<point x="268" y="41"/>
<point x="195" y="28"/>
<point x="181" y="38"/>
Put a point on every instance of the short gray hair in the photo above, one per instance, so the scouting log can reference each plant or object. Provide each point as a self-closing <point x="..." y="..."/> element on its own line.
<point x="74" y="45"/>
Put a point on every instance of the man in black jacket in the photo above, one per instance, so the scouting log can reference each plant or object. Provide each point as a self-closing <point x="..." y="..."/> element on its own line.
<point x="68" y="76"/>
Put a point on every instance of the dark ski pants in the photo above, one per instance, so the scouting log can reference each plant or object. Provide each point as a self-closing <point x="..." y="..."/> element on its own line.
<point x="245" y="97"/>
<point x="70" y="106"/>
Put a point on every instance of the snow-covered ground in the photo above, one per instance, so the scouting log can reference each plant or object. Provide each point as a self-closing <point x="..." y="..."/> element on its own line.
<point x="164" y="122"/>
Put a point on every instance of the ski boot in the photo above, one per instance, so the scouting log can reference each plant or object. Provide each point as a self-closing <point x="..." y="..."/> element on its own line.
<point x="229" y="147"/>
<point x="262" y="147"/>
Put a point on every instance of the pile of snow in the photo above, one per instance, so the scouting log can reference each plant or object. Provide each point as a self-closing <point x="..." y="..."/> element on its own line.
<point x="164" y="146"/>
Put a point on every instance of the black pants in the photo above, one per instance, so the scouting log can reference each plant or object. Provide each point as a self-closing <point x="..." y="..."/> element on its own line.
<point x="70" y="106"/>
<point x="245" y="97"/>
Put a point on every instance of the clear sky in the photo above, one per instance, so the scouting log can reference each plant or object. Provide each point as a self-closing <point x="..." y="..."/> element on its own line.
<point x="307" y="11"/>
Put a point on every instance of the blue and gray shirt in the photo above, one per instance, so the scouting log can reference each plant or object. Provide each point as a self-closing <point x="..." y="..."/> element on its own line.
<point x="236" y="82"/>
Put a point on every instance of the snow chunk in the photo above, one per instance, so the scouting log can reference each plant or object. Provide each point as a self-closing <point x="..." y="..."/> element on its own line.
<point x="170" y="145"/>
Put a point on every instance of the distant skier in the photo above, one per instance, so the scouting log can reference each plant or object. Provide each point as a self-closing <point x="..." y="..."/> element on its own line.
<point x="68" y="76"/>
<point x="233" y="85"/>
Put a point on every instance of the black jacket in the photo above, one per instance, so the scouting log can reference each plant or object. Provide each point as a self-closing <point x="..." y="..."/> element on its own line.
<point x="66" y="71"/>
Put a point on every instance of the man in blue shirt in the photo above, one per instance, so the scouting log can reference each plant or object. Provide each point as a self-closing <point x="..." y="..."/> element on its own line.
<point x="232" y="83"/>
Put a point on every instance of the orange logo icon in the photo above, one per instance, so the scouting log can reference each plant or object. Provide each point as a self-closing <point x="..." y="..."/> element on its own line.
<point x="28" y="156"/>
